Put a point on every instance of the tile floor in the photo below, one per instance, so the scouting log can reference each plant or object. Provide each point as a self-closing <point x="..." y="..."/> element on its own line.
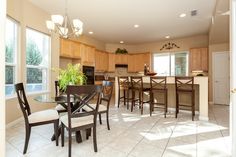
<point x="133" y="135"/>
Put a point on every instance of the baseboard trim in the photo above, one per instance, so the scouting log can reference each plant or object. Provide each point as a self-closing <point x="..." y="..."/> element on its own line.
<point x="9" y="125"/>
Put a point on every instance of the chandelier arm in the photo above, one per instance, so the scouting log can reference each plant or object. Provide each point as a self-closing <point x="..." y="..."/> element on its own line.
<point x="60" y="32"/>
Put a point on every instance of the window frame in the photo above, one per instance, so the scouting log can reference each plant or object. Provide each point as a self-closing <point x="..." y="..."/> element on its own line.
<point x="169" y="53"/>
<point x="48" y="73"/>
<point x="15" y="64"/>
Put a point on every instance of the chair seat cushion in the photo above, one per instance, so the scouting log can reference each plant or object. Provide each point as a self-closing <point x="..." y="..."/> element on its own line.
<point x="77" y="122"/>
<point x="43" y="116"/>
<point x="59" y="107"/>
<point x="101" y="107"/>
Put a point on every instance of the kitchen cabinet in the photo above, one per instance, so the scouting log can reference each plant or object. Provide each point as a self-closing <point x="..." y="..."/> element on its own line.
<point x="198" y="59"/>
<point x="65" y="48"/>
<point x="101" y="61"/>
<point x="136" y="61"/>
<point x="111" y="62"/>
<point x="87" y="55"/>
<point x="121" y="59"/>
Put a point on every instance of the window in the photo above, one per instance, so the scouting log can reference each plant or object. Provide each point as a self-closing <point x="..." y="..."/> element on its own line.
<point x="37" y="60"/>
<point x="171" y="64"/>
<point x="11" y="55"/>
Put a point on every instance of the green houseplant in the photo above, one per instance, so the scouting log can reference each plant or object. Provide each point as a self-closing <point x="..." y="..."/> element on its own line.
<point x="72" y="75"/>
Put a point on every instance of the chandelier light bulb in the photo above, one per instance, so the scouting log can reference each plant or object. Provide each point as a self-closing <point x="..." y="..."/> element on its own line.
<point x="57" y="19"/>
<point x="50" y="25"/>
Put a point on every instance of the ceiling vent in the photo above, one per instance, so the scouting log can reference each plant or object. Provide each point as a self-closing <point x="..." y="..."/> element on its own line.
<point x="194" y="13"/>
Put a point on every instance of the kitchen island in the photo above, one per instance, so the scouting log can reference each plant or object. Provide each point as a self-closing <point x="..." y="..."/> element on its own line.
<point x="201" y="87"/>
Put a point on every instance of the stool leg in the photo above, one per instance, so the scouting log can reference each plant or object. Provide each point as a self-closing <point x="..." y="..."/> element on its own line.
<point x="124" y="94"/>
<point x="141" y="102"/>
<point x="119" y="98"/>
<point x="177" y="104"/>
<point x="132" y="105"/>
<point x="127" y="99"/>
<point x="193" y="105"/>
<point x="140" y="99"/>
<point x="151" y="103"/>
<point x="165" y="102"/>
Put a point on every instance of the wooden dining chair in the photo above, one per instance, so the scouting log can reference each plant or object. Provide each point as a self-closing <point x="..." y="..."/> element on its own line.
<point x="107" y="89"/>
<point x="77" y="120"/>
<point x="185" y="85"/>
<point x="36" y="118"/>
<point x="60" y="107"/>
<point x="158" y="86"/>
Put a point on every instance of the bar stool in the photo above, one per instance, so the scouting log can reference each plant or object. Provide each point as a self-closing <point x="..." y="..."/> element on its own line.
<point x="185" y="85"/>
<point x="158" y="85"/>
<point x="137" y="86"/>
<point x="124" y="84"/>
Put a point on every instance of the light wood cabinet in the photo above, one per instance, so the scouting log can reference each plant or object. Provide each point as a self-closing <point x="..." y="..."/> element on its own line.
<point x="76" y="50"/>
<point x="101" y="61"/>
<point x="136" y="61"/>
<point x="111" y="62"/>
<point x="87" y="55"/>
<point x="198" y="59"/>
<point x="65" y="48"/>
<point x="121" y="58"/>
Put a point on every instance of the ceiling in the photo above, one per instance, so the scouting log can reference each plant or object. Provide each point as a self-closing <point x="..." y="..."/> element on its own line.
<point x="114" y="20"/>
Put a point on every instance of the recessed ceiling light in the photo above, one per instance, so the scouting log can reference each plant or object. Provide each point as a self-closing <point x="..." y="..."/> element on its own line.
<point x="136" y="26"/>
<point x="90" y="32"/>
<point x="167" y="37"/>
<point x="121" y="42"/>
<point x="182" y="15"/>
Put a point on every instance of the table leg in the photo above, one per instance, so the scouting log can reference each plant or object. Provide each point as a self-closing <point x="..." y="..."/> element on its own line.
<point x="78" y="137"/>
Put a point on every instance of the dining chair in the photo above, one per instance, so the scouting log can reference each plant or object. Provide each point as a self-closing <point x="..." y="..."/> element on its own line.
<point x="37" y="118"/>
<point x="60" y="107"/>
<point x="76" y="120"/>
<point x="138" y="86"/>
<point x="185" y="85"/>
<point x="107" y="89"/>
<point x="158" y="87"/>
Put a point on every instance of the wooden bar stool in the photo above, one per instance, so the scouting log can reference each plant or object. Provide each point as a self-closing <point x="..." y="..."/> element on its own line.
<point x="137" y="86"/>
<point x="124" y="84"/>
<point x="158" y="85"/>
<point x="185" y="85"/>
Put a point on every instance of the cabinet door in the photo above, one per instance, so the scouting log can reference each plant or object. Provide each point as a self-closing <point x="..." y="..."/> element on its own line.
<point x="195" y="59"/>
<point x="97" y="60"/>
<point x="121" y="59"/>
<point x="65" y="48"/>
<point x="91" y="55"/>
<point x="111" y="62"/>
<point x="76" y="50"/>
<point x="131" y="63"/>
<point x="105" y="61"/>
<point x="204" y="59"/>
<point x="139" y="62"/>
<point x="147" y="60"/>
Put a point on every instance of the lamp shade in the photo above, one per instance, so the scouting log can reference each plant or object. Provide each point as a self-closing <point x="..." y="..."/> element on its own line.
<point x="50" y="25"/>
<point x="57" y="19"/>
<point x="77" y="23"/>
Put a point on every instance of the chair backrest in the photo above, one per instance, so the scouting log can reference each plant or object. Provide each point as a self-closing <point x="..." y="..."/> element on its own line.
<point x="23" y="102"/>
<point x="123" y="82"/>
<point x="82" y="95"/>
<point x="137" y="82"/>
<point x="158" y="83"/>
<point x="184" y="84"/>
<point x="107" y="89"/>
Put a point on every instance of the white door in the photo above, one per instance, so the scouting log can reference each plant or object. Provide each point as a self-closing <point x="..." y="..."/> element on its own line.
<point x="221" y="79"/>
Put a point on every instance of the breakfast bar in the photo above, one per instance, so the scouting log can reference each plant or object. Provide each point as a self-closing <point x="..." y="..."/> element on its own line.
<point x="201" y="83"/>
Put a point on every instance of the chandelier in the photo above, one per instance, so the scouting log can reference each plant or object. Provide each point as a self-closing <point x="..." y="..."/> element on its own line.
<point x="62" y="25"/>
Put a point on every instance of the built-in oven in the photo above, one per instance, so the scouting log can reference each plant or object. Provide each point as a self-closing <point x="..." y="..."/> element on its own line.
<point x="89" y="73"/>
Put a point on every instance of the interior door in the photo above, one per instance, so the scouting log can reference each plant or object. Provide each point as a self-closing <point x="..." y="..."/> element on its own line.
<point x="221" y="79"/>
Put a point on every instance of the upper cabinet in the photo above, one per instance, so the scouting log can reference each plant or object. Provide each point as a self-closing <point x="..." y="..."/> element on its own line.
<point x="101" y="61"/>
<point x="136" y="61"/>
<point x="121" y="59"/>
<point x="111" y="62"/>
<point x="198" y="59"/>
<point x="76" y="50"/>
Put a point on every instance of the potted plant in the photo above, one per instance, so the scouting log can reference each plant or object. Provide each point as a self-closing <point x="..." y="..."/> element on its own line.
<point x="72" y="75"/>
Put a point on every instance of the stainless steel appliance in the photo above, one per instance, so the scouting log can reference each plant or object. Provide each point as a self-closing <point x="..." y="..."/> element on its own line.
<point x="89" y="73"/>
